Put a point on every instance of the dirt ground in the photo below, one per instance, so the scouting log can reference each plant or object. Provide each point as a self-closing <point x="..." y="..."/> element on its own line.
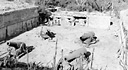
<point x="105" y="53"/>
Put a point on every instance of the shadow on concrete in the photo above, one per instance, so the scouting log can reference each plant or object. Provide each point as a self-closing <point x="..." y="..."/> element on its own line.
<point x="30" y="49"/>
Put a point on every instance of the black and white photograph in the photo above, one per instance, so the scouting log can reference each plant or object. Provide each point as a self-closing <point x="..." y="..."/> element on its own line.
<point x="63" y="34"/>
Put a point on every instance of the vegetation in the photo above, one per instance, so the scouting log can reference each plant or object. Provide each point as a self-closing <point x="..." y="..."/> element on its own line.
<point x="85" y="5"/>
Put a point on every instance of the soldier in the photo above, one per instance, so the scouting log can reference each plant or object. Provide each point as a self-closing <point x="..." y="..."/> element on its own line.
<point x="89" y="38"/>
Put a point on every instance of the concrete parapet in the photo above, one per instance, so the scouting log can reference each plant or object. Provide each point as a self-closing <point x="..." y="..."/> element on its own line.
<point x="16" y="22"/>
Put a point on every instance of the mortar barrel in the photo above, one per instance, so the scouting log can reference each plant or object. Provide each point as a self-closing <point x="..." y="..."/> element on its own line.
<point x="16" y="45"/>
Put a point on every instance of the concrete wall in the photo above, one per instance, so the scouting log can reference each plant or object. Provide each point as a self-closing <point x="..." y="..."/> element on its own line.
<point x="101" y="22"/>
<point x="16" y="22"/>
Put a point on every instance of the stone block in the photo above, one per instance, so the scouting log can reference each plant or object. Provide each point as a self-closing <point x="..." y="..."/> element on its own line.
<point x="1" y="21"/>
<point x="19" y="27"/>
<point x="35" y="22"/>
<point x="17" y="21"/>
<point x="11" y="18"/>
<point x="2" y="34"/>
<point x="32" y="22"/>
<point x="13" y="30"/>
<point x="29" y="13"/>
<point x="24" y="26"/>
<point x="18" y="15"/>
<point x="29" y="25"/>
